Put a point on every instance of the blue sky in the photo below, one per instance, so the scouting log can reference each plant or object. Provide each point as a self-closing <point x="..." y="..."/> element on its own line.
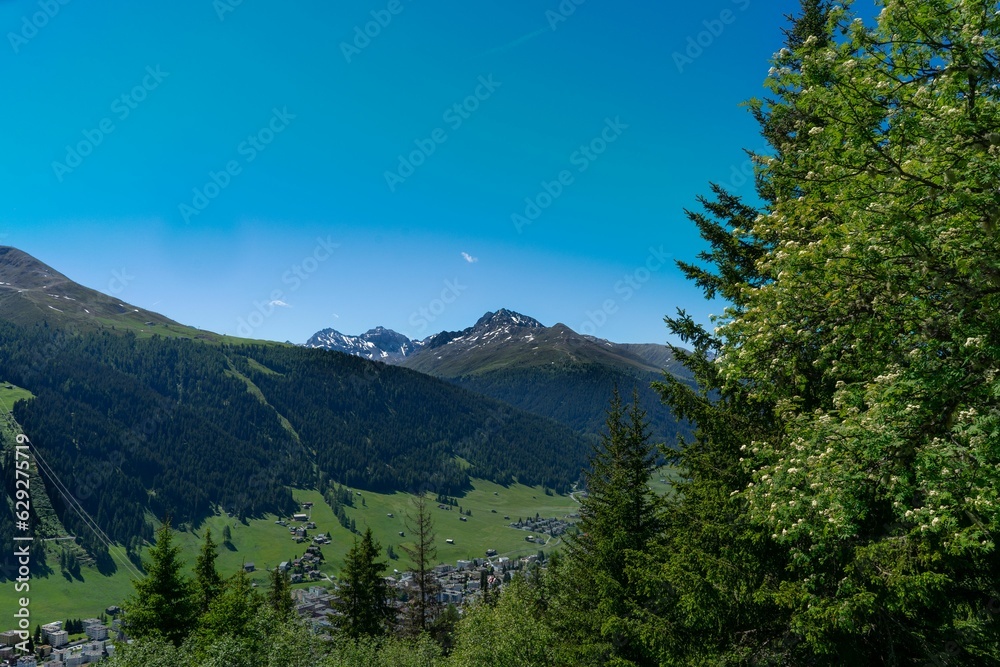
<point x="213" y="160"/>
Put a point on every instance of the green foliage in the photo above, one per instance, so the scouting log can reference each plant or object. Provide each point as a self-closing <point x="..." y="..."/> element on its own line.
<point x="279" y="595"/>
<point x="839" y="500"/>
<point x="599" y="601"/>
<point x="272" y="642"/>
<point x="150" y="652"/>
<point x="510" y="633"/>
<point x="208" y="581"/>
<point x="422" y="606"/>
<point x="364" y="605"/>
<point x="339" y="498"/>
<point x="232" y="614"/>
<point x="164" y="603"/>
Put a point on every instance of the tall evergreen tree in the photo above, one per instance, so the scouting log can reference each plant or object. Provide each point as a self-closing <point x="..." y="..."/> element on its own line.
<point x="847" y="413"/>
<point x="164" y="602"/>
<point x="364" y="607"/>
<point x="208" y="581"/>
<point x="712" y="578"/>
<point x="619" y="517"/>
<point x="233" y="611"/>
<point x="423" y="605"/>
<point x="279" y="595"/>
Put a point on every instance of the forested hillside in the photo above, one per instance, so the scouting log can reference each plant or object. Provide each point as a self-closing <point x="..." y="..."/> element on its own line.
<point x="576" y="395"/>
<point x="551" y="371"/>
<point x="184" y="427"/>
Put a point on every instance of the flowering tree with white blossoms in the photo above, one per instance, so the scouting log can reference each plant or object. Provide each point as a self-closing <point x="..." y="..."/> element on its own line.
<point x="875" y="333"/>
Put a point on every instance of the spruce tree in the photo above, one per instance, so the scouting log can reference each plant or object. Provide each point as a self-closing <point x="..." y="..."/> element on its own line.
<point x="619" y="517"/>
<point x="164" y="602"/>
<point x="232" y="612"/>
<point x="208" y="582"/>
<point x="423" y="605"/>
<point x="364" y="604"/>
<point x="712" y="572"/>
<point x="279" y="595"/>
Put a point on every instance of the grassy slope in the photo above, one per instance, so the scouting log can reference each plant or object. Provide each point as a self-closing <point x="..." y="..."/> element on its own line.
<point x="266" y="544"/>
<point x="8" y="397"/>
<point x="483" y="530"/>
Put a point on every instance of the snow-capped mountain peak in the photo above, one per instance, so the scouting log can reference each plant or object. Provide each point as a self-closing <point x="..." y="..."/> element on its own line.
<point x="378" y="344"/>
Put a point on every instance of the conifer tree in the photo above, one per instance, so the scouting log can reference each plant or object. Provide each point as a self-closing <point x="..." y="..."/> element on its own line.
<point x="208" y="582"/>
<point x="847" y="394"/>
<point x="164" y="603"/>
<point x="279" y="595"/>
<point x="232" y="612"/>
<point x="619" y="517"/>
<point x="365" y="597"/>
<point x="423" y="605"/>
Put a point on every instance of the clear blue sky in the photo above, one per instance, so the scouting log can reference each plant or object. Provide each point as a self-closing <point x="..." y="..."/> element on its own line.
<point x="117" y="112"/>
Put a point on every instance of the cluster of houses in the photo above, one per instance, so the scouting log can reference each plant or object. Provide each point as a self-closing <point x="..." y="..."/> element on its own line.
<point x="56" y="650"/>
<point x="305" y="568"/>
<point x="301" y="533"/>
<point x="554" y="527"/>
<point x="459" y="584"/>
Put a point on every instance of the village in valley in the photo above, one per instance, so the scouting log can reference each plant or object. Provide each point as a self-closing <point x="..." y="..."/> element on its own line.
<point x="71" y="643"/>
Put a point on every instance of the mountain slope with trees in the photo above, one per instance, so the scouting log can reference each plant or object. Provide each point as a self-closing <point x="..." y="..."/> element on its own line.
<point x="131" y="425"/>
<point x="552" y="371"/>
<point x="839" y="501"/>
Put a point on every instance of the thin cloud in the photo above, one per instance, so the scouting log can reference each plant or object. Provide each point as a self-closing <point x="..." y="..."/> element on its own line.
<point x="278" y="303"/>
<point x="469" y="258"/>
<point x="517" y="42"/>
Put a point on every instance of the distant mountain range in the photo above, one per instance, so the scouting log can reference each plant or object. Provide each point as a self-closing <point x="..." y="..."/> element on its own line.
<point x="137" y="414"/>
<point x="378" y="344"/>
<point x="552" y="371"/>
